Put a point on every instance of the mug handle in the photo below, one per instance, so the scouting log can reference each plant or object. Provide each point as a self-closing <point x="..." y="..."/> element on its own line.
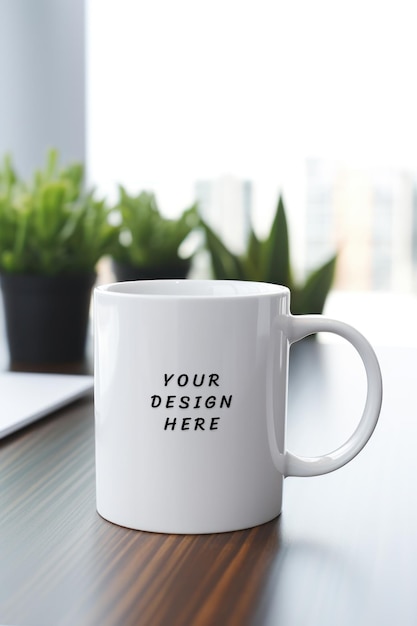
<point x="289" y="464"/>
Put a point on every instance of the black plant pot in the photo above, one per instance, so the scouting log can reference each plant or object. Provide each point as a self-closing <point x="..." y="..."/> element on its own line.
<point x="46" y="317"/>
<point x="125" y="271"/>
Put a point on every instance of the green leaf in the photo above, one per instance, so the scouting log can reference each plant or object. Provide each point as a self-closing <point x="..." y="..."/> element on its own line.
<point x="225" y="264"/>
<point x="49" y="210"/>
<point x="311" y="298"/>
<point x="8" y="177"/>
<point x="51" y="164"/>
<point x="254" y="254"/>
<point x="277" y="252"/>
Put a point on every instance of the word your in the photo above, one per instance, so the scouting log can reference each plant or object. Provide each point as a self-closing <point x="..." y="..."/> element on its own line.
<point x="197" y="380"/>
<point x="182" y="402"/>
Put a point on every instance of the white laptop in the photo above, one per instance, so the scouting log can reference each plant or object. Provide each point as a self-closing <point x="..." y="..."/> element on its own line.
<point x="26" y="397"/>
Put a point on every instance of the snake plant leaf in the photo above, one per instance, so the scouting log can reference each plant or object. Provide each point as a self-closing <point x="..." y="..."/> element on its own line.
<point x="268" y="260"/>
<point x="311" y="298"/>
<point x="254" y="249"/>
<point x="225" y="264"/>
<point x="277" y="251"/>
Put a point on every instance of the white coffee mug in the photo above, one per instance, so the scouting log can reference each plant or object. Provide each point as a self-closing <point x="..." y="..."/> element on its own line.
<point x="190" y="403"/>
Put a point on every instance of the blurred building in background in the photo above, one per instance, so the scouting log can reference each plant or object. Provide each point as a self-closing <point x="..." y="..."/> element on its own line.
<point x="370" y="216"/>
<point x="225" y="204"/>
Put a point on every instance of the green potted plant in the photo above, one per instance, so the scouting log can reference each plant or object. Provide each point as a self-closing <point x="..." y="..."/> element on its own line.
<point x="268" y="260"/>
<point x="148" y="243"/>
<point x="52" y="233"/>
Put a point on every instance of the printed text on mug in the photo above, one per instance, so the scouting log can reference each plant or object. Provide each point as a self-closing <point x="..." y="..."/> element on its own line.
<point x="179" y="398"/>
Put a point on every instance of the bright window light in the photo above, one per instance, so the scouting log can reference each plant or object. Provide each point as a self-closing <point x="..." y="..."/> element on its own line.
<point x="314" y="99"/>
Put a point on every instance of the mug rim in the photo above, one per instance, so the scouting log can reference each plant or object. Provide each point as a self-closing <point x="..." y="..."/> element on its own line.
<point x="192" y="289"/>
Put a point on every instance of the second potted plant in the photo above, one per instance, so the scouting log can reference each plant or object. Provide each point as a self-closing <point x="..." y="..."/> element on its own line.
<point x="148" y="243"/>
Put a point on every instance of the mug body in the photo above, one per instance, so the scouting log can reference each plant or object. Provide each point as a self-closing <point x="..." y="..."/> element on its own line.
<point x="186" y="373"/>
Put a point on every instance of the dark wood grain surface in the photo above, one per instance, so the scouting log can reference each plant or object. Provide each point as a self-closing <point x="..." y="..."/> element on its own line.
<point x="344" y="550"/>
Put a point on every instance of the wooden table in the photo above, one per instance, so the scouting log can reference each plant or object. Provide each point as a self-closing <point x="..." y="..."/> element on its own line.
<point x="343" y="552"/>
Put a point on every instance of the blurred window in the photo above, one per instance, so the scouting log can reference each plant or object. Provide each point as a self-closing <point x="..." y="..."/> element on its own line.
<point x="313" y="99"/>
